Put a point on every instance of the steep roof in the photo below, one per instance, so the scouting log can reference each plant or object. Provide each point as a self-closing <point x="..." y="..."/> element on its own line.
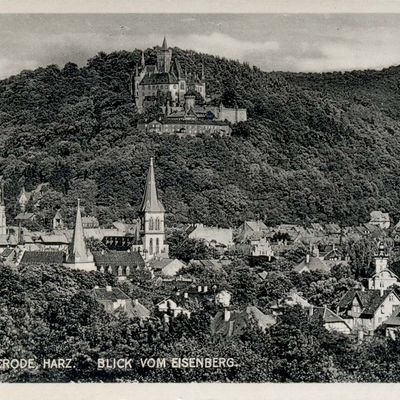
<point x="315" y="264"/>
<point x="327" y="315"/>
<point x="370" y="300"/>
<point x="164" y="45"/>
<point x="79" y="249"/>
<point x="118" y="258"/>
<point x="159" y="78"/>
<point x="150" y="202"/>
<point x="109" y="294"/>
<point x="42" y="257"/>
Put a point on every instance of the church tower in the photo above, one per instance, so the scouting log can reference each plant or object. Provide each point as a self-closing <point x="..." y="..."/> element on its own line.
<point x="79" y="256"/>
<point x="164" y="57"/>
<point x="152" y="214"/>
<point x="3" y="223"/>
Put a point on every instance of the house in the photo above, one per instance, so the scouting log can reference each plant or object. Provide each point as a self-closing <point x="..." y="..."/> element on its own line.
<point x="58" y="222"/>
<point x="261" y="248"/>
<point x="171" y="308"/>
<point x="290" y="300"/>
<point x="391" y="326"/>
<point x="167" y="266"/>
<point x="122" y="264"/>
<point x="211" y="235"/>
<point x="332" y="322"/>
<point x="367" y="309"/>
<point x="251" y="230"/>
<point x="311" y="264"/>
<point x="383" y="277"/>
<point x="114" y="300"/>
<point x="231" y="323"/>
<point x="380" y="219"/>
<point x="90" y="222"/>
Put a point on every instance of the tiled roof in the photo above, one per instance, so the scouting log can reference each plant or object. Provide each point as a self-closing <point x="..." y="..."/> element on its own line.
<point x="43" y="257"/>
<point x="315" y="264"/>
<point x="370" y="300"/>
<point x="54" y="239"/>
<point x="328" y="316"/>
<point x="113" y="294"/>
<point x="24" y="216"/>
<point x="159" y="78"/>
<point x="135" y="309"/>
<point x="7" y="252"/>
<point x="118" y="258"/>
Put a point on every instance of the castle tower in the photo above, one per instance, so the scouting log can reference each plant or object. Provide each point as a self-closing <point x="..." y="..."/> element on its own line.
<point x="79" y="256"/>
<point x="152" y="214"/>
<point x="23" y="199"/>
<point x="381" y="259"/>
<point x="3" y="222"/>
<point x="164" y="57"/>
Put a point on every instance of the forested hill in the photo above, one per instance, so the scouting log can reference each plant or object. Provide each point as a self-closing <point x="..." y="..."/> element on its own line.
<point x="317" y="147"/>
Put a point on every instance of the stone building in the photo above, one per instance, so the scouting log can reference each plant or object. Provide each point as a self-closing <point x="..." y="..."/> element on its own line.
<point x="151" y="241"/>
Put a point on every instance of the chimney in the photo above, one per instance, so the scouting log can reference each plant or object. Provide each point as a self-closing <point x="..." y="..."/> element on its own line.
<point x="307" y="258"/>
<point x="227" y="315"/>
<point x="108" y="288"/>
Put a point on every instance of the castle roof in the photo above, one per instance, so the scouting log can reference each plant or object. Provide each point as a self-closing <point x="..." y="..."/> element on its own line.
<point x="159" y="78"/>
<point x="150" y="202"/>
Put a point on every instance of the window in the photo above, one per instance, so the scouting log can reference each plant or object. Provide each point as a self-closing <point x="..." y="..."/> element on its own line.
<point x="119" y="271"/>
<point x="183" y="85"/>
<point x="151" y="224"/>
<point x="382" y="309"/>
<point x="157" y="224"/>
<point x="157" y="246"/>
<point x="151" y="246"/>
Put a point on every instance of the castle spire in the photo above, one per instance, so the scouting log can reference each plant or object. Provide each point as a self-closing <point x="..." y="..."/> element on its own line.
<point x="164" y="44"/>
<point x="150" y="202"/>
<point x="203" y="75"/>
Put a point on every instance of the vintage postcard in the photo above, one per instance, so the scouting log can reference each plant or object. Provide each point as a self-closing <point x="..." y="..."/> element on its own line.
<point x="199" y="193"/>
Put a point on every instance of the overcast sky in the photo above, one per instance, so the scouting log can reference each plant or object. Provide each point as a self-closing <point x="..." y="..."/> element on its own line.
<point x="287" y="42"/>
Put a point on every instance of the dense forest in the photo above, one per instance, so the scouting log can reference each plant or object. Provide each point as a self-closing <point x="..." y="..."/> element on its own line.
<point x="316" y="147"/>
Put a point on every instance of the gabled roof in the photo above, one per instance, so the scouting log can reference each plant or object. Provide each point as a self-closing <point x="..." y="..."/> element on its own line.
<point x="43" y="257"/>
<point x="109" y="294"/>
<point x="256" y="225"/>
<point x="370" y="300"/>
<point x="24" y="216"/>
<point x="150" y="202"/>
<point x="118" y="259"/>
<point x="315" y="264"/>
<point x="327" y="315"/>
<point x="135" y="309"/>
<point x="60" y="238"/>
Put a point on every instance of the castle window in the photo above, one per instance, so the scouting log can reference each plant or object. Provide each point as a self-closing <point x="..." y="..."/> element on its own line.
<point x="157" y="224"/>
<point x="182" y="85"/>
<point x="151" y="246"/>
<point x="157" y="246"/>
<point x="174" y="86"/>
<point x="119" y="271"/>
<point x="151" y="224"/>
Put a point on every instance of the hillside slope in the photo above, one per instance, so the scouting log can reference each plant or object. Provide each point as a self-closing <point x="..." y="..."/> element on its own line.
<point x="317" y="147"/>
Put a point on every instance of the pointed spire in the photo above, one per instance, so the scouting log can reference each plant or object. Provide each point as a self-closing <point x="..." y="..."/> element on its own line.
<point x="150" y="202"/>
<point x="79" y="249"/>
<point x="203" y="75"/>
<point x="164" y="44"/>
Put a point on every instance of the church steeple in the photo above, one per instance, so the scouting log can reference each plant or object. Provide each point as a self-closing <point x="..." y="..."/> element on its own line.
<point x="142" y="60"/>
<point x="164" y="58"/>
<point x="150" y="202"/>
<point x="80" y="256"/>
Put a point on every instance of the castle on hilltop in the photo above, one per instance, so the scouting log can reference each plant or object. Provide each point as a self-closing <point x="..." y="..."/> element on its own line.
<point x="183" y="99"/>
<point x="165" y="77"/>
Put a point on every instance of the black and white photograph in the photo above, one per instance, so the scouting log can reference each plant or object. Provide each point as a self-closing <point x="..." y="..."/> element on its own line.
<point x="204" y="195"/>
